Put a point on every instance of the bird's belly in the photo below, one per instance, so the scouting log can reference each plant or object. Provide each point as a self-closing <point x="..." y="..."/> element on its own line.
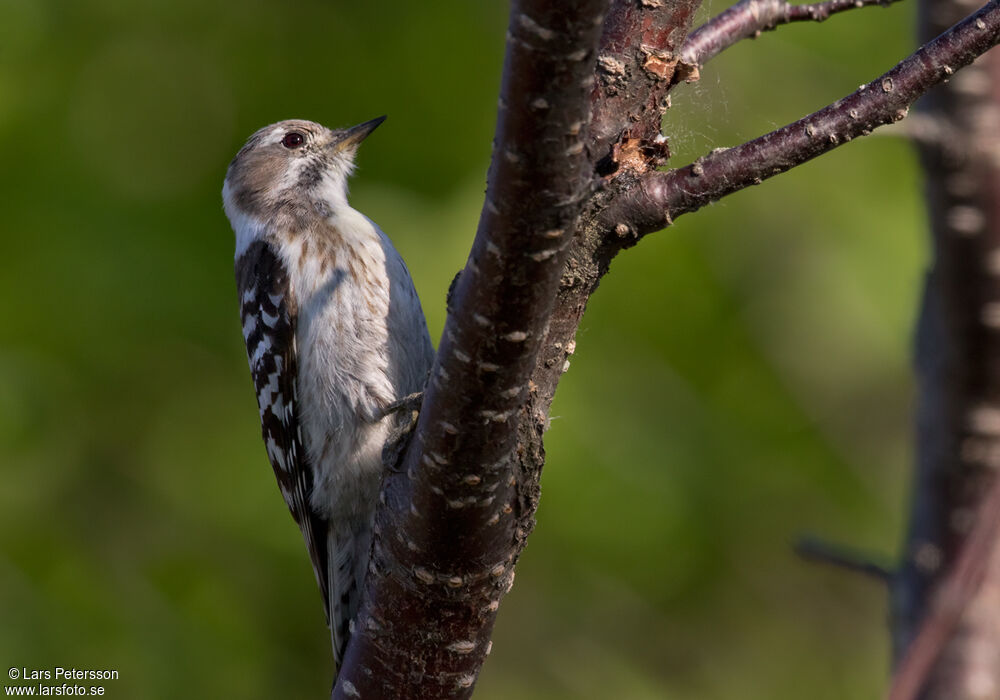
<point x="343" y="387"/>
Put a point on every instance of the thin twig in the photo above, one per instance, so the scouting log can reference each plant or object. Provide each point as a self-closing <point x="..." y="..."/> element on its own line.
<point x="815" y="550"/>
<point x="654" y="200"/>
<point x="748" y="18"/>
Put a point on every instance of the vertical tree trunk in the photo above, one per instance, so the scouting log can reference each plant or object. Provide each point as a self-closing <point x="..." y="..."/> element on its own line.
<point x="574" y="180"/>
<point x="958" y="366"/>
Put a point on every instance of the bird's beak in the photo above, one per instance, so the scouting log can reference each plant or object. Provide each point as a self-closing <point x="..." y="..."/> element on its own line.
<point x="350" y="138"/>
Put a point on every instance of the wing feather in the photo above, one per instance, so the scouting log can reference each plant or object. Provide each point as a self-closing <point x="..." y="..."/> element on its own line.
<point x="268" y="311"/>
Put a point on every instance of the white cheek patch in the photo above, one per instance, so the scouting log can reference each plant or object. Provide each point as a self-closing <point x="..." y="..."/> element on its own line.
<point x="290" y="177"/>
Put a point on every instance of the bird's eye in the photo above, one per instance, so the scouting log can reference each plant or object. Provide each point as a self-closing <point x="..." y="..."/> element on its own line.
<point x="293" y="139"/>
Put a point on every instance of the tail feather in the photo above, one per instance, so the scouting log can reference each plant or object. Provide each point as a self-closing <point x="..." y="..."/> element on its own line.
<point x="348" y="549"/>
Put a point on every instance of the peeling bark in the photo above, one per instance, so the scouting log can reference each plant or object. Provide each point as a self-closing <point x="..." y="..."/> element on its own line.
<point x="635" y="67"/>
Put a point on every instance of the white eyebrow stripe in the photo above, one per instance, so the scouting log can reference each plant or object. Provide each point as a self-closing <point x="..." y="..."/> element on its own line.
<point x="277" y="133"/>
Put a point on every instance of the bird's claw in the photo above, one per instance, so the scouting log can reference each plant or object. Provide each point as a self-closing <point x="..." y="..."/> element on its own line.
<point x="411" y="402"/>
<point x="401" y="429"/>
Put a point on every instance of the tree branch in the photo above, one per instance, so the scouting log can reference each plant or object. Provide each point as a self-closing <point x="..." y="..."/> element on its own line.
<point x="453" y="520"/>
<point x="635" y="70"/>
<point x="944" y="631"/>
<point x="652" y="202"/>
<point x="950" y="602"/>
<point x="819" y="551"/>
<point x="748" y="18"/>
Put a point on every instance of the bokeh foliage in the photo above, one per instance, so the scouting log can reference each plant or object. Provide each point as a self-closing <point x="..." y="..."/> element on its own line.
<point x="739" y="379"/>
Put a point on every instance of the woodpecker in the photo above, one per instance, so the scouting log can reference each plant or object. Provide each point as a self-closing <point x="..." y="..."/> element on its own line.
<point x="335" y="337"/>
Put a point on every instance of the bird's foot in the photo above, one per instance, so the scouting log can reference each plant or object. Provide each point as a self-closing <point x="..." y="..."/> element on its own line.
<point x="408" y="410"/>
<point x="410" y="403"/>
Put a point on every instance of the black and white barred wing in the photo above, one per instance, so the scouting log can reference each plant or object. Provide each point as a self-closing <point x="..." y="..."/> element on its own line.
<point x="268" y="311"/>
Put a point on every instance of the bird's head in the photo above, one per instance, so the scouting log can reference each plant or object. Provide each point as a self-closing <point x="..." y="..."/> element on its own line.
<point x="293" y="168"/>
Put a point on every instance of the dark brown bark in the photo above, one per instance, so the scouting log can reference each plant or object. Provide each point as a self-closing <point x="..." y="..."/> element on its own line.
<point x="456" y="515"/>
<point x="958" y="367"/>
<point x="565" y="195"/>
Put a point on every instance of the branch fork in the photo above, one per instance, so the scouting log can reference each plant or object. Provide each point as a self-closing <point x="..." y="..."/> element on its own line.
<point x="585" y="86"/>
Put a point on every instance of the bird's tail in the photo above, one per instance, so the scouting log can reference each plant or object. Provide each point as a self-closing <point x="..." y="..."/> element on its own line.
<point x="348" y="548"/>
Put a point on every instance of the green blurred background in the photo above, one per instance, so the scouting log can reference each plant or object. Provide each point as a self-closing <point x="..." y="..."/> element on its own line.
<point x="740" y="378"/>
